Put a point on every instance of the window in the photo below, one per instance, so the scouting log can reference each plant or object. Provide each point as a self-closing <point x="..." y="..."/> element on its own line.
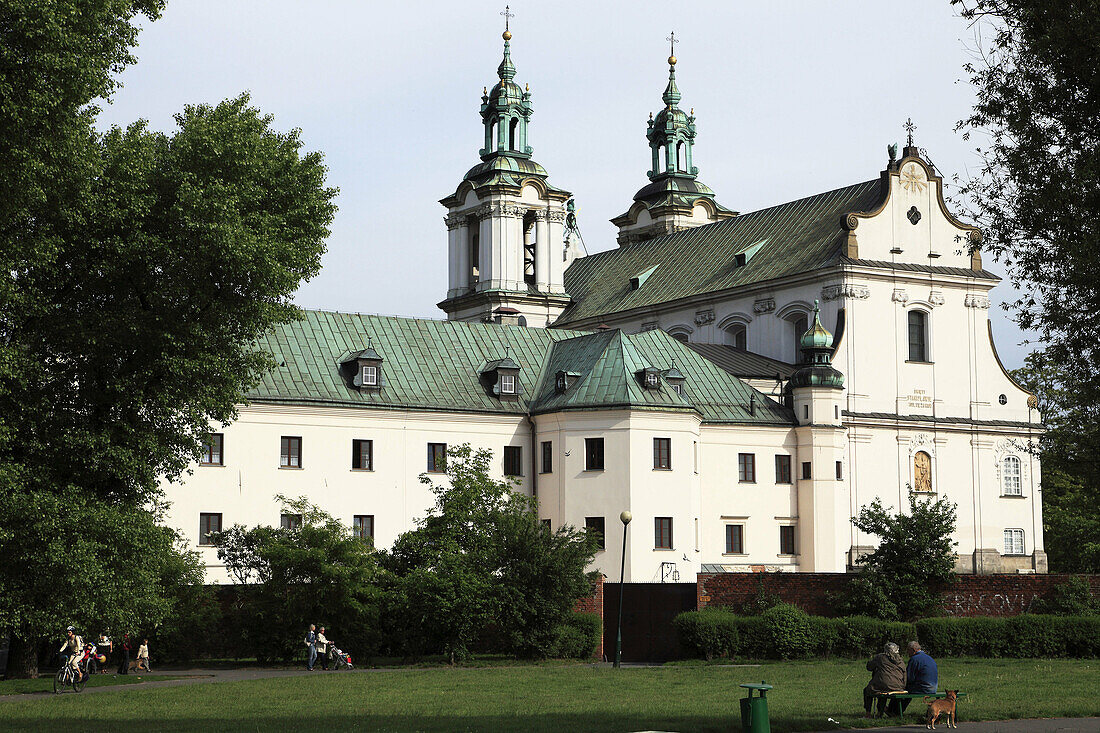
<point x="593" y="454"/>
<point x="662" y="533"/>
<point x="595" y="527"/>
<point x="662" y="453"/>
<point x="290" y="452"/>
<point x="1014" y="542"/>
<point x="738" y="337"/>
<point x="1002" y="400"/>
<point x="799" y="324"/>
<point x="212" y="450"/>
<point x="547" y="456"/>
<point x="507" y="383"/>
<point x="651" y="378"/>
<point x="806" y="472"/>
<point x="786" y="540"/>
<point x="735" y="539"/>
<point x="1011" y="474"/>
<point x="475" y="254"/>
<point x="782" y="469"/>
<point x="362" y="527"/>
<point x="922" y="472"/>
<point x="290" y="521"/>
<point x="362" y="455"/>
<point x="918" y="336"/>
<point x="546" y="525"/>
<point x="370" y="376"/>
<point x="209" y="523"/>
<point x="437" y="457"/>
<point x="805" y="412"/>
<point x="839" y="471"/>
<point x="680" y="336"/>
<point x="746" y="468"/>
<point x="513" y="460"/>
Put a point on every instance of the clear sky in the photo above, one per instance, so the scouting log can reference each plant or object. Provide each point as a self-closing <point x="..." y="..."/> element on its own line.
<point x="791" y="99"/>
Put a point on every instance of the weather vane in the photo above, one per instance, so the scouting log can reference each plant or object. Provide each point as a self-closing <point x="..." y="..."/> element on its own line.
<point x="508" y="15"/>
<point x="909" y="127"/>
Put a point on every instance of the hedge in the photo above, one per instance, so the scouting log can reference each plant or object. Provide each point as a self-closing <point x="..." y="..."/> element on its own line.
<point x="786" y="632"/>
<point x="578" y="637"/>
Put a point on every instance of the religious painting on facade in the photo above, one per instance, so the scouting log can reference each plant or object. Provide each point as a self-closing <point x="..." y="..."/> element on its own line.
<point x="922" y="472"/>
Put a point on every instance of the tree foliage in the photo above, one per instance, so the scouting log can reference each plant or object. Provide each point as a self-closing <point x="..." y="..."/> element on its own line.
<point x="914" y="560"/>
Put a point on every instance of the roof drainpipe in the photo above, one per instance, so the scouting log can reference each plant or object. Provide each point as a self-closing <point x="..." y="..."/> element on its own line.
<point x="534" y="459"/>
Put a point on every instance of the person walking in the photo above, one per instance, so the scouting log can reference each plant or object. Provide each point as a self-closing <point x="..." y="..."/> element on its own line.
<point x="143" y="655"/>
<point x="322" y="648"/>
<point x="311" y="644"/>
<point x="124" y="664"/>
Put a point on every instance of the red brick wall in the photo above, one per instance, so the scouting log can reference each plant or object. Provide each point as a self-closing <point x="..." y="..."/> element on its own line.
<point x="593" y="604"/>
<point x="971" y="595"/>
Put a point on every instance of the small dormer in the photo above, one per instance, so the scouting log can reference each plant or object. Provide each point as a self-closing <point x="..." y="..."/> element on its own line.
<point x="365" y="369"/>
<point x="675" y="379"/>
<point x="501" y="378"/>
<point x="649" y="378"/>
<point x="563" y="380"/>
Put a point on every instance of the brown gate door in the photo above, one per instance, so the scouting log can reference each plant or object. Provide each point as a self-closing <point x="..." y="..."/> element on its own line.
<point x="648" y="610"/>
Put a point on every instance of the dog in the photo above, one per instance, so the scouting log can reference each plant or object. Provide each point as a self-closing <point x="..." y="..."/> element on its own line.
<point x="946" y="707"/>
<point x="136" y="665"/>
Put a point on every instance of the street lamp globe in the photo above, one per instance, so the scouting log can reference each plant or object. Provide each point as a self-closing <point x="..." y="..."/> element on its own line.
<point x="625" y="517"/>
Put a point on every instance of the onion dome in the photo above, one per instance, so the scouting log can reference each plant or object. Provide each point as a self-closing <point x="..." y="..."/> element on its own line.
<point x="817" y="356"/>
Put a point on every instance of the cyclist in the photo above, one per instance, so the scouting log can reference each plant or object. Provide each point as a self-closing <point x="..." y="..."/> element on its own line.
<point x="72" y="649"/>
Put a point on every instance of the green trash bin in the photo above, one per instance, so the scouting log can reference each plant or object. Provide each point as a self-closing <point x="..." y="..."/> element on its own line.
<point x="754" y="710"/>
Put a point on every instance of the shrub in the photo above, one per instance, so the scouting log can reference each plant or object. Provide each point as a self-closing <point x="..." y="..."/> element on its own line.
<point x="578" y="637"/>
<point x="709" y="633"/>
<point x="1071" y="598"/>
<point x="1030" y="635"/>
<point x="861" y="636"/>
<point x="789" y="631"/>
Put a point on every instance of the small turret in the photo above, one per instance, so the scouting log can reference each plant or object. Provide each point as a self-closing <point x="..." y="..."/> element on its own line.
<point x="817" y="356"/>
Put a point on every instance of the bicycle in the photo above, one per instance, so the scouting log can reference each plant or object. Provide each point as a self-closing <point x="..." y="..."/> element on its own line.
<point x="66" y="677"/>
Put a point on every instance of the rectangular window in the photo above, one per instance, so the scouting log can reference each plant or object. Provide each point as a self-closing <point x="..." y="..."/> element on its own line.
<point x="1014" y="542"/>
<point x="507" y="384"/>
<point x="362" y="527"/>
<point x="370" y="376"/>
<point x="782" y="468"/>
<point x="595" y="527"/>
<point x="547" y="456"/>
<point x="918" y="334"/>
<point x="746" y="468"/>
<point x="362" y="455"/>
<point x="695" y="455"/>
<point x="806" y="473"/>
<point x="786" y="540"/>
<point x="513" y="460"/>
<point x="290" y="521"/>
<point x="662" y="533"/>
<point x="593" y="454"/>
<point x="212" y="450"/>
<point x="209" y="523"/>
<point x="437" y="457"/>
<point x="839" y="471"/>
<point x="546" y="524"/>
<point x="290" y="452"/>
<point x="662" y="453"/>
<point x="735" y="539"/>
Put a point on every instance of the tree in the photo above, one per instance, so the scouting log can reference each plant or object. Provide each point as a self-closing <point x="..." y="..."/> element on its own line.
<point x="1035" y="197"/>
<point x="315" y="573"/>
<point x="481" y="556"/>
<point x="914" y="560"/>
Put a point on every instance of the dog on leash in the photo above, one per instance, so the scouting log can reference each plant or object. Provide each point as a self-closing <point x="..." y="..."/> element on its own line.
<point x="945" y="707"/>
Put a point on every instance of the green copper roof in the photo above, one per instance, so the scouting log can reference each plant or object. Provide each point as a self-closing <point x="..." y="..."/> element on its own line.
<point x="801" y="235"/>
<point x="308" y="353"/>
<point x="816" y="337"/>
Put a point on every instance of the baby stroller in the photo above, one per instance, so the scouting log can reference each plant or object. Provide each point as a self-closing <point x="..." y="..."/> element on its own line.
<point x="340" y="658"/>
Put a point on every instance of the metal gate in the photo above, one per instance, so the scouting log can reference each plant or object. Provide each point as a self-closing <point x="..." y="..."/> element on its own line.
<point x="648" y="610"/>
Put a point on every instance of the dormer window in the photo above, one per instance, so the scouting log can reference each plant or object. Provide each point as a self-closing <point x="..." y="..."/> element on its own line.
<point x="501" y="379"/>
<point x="650" y="378"/>
<point x="675" y="379"/>
<point x="563" y="380"/>
<point x="363" y="369"/>
<point x="370" y="376"/>
<point x="507" y="384"/>
<point x="652" y="381"/>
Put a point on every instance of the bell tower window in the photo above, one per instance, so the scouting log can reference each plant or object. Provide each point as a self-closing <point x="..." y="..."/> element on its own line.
<point x="475" y="254"/>
<point x="680" y="165"/>
<point x="529" y="246"/>
<point x="512" y="133"/>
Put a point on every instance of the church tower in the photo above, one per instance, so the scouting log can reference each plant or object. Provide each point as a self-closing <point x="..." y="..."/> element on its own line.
<point x="674" y="199"/>
<point x="505" y="222"/>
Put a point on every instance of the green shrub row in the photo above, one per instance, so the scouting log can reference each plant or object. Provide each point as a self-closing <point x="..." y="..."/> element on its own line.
<point x="578" y="637"/>
<point x="787" y="632"/>
<point x="1029" y="635"/>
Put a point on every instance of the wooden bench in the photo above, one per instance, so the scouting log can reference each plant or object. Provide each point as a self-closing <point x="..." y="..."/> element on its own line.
<point x="912" y="696"/>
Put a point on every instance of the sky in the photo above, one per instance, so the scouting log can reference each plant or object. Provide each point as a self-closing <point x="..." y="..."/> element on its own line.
<point x="791" y="99"/>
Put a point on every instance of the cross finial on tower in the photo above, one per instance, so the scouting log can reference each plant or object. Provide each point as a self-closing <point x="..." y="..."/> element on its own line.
<point x="672" y="48"/>
<point x="909" y="127"/>
<point x="508" y="15"/>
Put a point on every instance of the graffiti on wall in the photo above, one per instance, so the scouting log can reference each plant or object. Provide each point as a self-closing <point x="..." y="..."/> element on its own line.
<point x="990" y="604"/>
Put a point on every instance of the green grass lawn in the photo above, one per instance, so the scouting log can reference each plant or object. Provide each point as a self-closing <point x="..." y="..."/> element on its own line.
<point x="45" y="682"/>
<point x="557" y="699"/>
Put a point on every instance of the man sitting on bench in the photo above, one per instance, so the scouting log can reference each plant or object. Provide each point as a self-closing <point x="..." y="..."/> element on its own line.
<point x="921" y="675"/>
<point x="887" y="675"/>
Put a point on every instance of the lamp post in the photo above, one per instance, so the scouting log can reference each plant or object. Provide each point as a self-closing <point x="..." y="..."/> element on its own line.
<point x="625" y="518"/>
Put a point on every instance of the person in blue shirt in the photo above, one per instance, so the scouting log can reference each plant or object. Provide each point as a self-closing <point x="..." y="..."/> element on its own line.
<point x="921" y="674"/>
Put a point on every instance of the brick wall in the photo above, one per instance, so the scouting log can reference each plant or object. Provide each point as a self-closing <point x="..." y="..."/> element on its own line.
<point x="971" y="595"/>
<point x="593" y="604"/>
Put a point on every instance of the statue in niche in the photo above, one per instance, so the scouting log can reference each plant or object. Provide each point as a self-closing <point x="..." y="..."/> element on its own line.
<point x="922" y="472"/>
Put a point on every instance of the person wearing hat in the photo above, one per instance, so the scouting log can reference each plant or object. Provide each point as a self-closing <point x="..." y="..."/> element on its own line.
<point x="72" y="648"/>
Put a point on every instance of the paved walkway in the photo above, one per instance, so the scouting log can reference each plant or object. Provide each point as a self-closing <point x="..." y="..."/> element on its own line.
<point x="1050" y="725"/>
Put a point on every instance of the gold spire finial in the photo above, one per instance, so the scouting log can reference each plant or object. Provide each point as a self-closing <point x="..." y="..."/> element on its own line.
<point x="508" y="15"/>
<point x="672" y="48"/>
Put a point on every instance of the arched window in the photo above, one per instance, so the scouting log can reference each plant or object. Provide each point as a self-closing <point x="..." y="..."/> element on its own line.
<point x="680" y="165"/>
<point x="799" y="324"/>
<point x="529" y="248"/>
<point x="918" y="336"/>
<point x="475" y="254"/>
<point x="512" y="128"/>
<point x="922" y="472"/>
<point x="737" y="336"/>
<point x="668" y="159"/>
<point x="492" y="146"/>
<point x="1010" y="476"/>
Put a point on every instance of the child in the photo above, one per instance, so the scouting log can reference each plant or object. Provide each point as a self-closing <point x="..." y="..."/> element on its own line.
<point x="143" y="655"/>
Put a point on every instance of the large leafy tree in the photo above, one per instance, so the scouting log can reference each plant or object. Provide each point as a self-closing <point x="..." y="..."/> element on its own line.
<point x="137" y="269"/>
<point x="1036" y="195"/>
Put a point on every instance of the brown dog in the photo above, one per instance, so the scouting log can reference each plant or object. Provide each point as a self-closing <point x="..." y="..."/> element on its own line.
<point x="137" y="665"/>
<point x="946" y="706"/>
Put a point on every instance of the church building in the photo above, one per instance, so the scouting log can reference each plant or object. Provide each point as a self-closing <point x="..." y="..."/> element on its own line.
<point x="741" y="383"/>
